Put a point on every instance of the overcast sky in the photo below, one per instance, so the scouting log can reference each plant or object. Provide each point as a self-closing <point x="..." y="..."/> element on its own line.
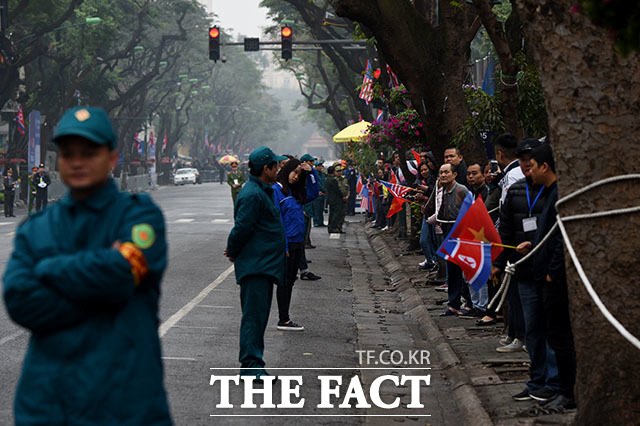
<point x="244" y="16"/>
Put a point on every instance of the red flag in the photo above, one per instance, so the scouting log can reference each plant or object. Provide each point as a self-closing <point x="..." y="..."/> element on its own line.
<point x="20" y="120"/>
<point x="469" y="243"/>
<point x="396" y="206"/>
<point x="359" y="185"/>
<point x="416" y="156"/>
<point x="394" y="179"/>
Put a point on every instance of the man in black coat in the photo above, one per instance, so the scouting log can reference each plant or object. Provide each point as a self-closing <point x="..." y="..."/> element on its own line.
<point x="550" y="274"/>
<point x="10" y="184"/>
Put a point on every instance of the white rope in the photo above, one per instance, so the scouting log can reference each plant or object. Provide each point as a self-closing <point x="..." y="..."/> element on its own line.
<point x="576" y="262"/>
<point x="510" y="268"/>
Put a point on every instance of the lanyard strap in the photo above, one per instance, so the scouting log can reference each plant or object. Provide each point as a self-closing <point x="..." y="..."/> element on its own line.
<point x="526" y="185"/>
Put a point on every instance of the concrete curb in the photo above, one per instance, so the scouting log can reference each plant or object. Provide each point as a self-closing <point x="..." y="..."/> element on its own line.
<point x="464" y="393"/>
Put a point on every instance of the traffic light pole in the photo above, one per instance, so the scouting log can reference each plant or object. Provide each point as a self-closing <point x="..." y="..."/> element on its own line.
<point x="310" y="42"/>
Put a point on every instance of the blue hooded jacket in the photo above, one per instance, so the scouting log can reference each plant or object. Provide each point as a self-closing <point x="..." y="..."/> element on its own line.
<point x="292" y="214"/>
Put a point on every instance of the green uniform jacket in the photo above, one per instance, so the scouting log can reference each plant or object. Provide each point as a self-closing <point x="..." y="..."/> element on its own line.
<point x="230" y="178"/>
<point x="344" y="186"/>
<point x="256" y="242"/>
<point x="334" y="195"/>
<point x="94" y="351"/>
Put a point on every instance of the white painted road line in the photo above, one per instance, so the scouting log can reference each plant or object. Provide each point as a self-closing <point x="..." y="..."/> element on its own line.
<point x="217" y="214"/>
<point x="173" y="319"/>
<point x="195" y="326"/>
<point x="220" y="221"/>
<point x="177" y="358"/>
<point x="184" y="220"/>
<point x="5" y="223"/>
<point x="214" y="306"/>
<point x="334" y="236"/>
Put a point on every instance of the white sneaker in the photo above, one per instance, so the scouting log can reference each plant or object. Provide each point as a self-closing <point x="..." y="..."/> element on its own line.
<point x="515" y="346"/>
<point x="505" y="340"/>
<point x="385" y="228"/>
<point x="423" y="263"/>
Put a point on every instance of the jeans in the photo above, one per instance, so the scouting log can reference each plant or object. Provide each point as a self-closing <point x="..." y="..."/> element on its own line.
<point x="283" y="294"/>
<point x="427" y="241"/>
<point x="480" y="298"/>
<point x="256" y="293"/>
<point x="556" y="310"/>
<point x="318" y="210"/>
<point x="544" y="371"/>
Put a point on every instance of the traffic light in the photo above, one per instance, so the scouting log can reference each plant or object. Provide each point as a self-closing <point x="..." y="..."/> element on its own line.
<point x="287" y="42"/>
<point x="214" y="43"/>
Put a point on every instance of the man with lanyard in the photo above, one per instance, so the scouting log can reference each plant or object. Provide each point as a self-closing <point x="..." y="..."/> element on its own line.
<point x="257" y="247"/>
<point x="41" y="181"/>
<point x="235" y="179"/>
<point x="88" y="290"/>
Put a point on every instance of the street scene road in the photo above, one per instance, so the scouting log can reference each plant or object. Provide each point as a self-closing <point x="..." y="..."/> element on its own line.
<point x="200" y="317"/>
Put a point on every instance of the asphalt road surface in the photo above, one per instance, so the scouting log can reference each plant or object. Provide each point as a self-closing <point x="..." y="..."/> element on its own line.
<point x="200" y="317"/>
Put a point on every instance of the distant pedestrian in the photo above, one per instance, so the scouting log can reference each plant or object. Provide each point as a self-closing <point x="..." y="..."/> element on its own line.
<point x="318" y="204"/>
<point x="344" y="188"/>
<point x="235" y="179"/>
<point x="334" y="200"/>
<point x="88" y="290"/>
<point x="41" y="182"/>
<point x="10" y="184"/>
<point x="257" y="247"/>
<point x="351" y="176"/>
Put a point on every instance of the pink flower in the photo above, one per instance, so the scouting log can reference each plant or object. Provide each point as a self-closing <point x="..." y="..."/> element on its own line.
<point x="417" y="133"/>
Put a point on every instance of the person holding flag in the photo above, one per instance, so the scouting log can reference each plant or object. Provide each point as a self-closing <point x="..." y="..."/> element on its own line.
<point x="453" y="196"/>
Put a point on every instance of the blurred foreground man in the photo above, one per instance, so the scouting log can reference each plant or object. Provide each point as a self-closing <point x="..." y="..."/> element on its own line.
<point x="257" y="247"/>
<point x="88" y="289"/>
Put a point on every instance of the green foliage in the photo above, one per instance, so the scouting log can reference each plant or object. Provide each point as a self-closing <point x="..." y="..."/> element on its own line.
<point x="363" y="156"/>
<point x="532" y="114"/>
<point x="485" y="114"/>
<point x="621" y="17"/>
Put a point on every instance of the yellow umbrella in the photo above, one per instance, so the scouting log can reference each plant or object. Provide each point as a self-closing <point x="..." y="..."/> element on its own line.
<point x="228" y="159"/>
<point x="352" y="133"/>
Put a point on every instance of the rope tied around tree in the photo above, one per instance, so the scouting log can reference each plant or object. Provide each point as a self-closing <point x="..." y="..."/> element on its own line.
<point x="510" y="269"/>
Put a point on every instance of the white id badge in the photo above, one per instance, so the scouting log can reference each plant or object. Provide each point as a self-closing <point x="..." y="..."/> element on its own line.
<point x="529" y="224"/>
<point x="235" y="181"/>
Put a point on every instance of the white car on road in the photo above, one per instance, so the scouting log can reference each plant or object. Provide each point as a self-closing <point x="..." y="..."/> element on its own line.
<point x="183" y="176"/>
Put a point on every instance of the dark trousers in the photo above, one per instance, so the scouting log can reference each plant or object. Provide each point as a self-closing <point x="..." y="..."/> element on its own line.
<point x="318" y="211"/>
<point x="283" y="294"/>
<point x="8" y="202"/>
<point x="351" y="201"/>
<point x="543" y="372"/>
<point x="307" y="230"/>
<point x="334" y="216"/>
<point x="343" y="212"/>
<point x="515" y="318"/>
<point x="256" y="293"/>
<point x="457" y="286"/>
<point x="41" y="200"/>
<point x="559" y="335"/>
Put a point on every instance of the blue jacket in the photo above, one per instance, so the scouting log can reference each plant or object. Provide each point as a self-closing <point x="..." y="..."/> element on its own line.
<point x="256" y="242"/>
<point x="292" y="215"/>
<point x="94" y="351"/>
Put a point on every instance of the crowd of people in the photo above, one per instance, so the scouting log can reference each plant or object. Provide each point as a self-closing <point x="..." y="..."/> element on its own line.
<point x="519" y="191"/>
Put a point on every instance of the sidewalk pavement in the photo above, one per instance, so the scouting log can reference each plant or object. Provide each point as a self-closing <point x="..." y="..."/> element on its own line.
<point x="483" y="379"/>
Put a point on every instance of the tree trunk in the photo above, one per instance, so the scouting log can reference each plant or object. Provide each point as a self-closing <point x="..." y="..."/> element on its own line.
<point x="592" y="98"/>
<point x="430" y="60"/>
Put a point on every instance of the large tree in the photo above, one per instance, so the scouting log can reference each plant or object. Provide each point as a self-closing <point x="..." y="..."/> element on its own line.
<point x="592" y="94"/>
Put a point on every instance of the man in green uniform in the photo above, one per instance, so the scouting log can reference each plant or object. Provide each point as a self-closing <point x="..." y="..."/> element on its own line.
<point x="343" y="183"/>
<point x="88" y="289"/>
<point x="257" y="246"/>
<point x="235" y="179"/>
<point x="334" y="200"/>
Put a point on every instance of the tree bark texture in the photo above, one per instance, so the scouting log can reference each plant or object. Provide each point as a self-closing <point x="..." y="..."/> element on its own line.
<point x="430" y="60"/>
<point x="593" y="100"/>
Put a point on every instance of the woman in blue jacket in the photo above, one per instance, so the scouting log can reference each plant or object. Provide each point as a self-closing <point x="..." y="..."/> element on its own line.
<point x="289" y="195"/>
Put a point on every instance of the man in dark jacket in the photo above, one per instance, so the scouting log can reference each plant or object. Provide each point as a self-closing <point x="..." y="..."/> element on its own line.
<point x="88" y="290"/>
<point x="549" y="273"/>
<point x="10" y="183"/>
<point x="521" y="210"/>
<point x="257" y="247"/>
<point x="453" y="156"/>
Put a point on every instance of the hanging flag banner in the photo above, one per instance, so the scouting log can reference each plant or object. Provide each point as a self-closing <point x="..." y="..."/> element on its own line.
<point x="33" y="156"/>
<point x="20" y="120"/>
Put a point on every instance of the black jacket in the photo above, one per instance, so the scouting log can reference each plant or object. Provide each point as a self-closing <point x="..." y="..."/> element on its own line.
<point x="549" y="260"/>
<point x="513" y="211"/>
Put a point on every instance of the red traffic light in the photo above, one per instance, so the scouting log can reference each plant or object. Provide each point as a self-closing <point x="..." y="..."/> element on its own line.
<point x="214" y="33"/>
<point x="286" y="32"/>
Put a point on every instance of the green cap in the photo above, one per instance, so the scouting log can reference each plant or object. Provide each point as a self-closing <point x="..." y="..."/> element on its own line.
<point x="90" y="123"/>
<point x="262" y="156"/>
<point x="280" y="158"/>
<point x="307" y="157"/>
